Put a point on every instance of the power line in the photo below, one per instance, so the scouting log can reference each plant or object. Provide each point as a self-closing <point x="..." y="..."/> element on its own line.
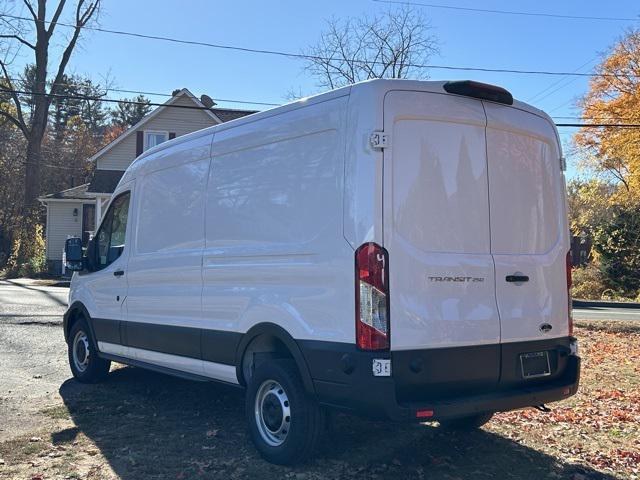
<point x="50" y="165"/>
<point x="598" y="125"/>
<point x="510" y="12"/>
<point x="194" y="107"/>
<point x="319" y="58"/>
<point x="604" y="119"/>
<point x="108" y="100"/>
<point x="158" y="94"/>
<point x="541" y="95"/>
<point x="226" y="100"/>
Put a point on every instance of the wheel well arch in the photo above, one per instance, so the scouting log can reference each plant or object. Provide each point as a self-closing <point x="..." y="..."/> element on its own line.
<point x="271" y="339"/>
<point x="73" y="313"/>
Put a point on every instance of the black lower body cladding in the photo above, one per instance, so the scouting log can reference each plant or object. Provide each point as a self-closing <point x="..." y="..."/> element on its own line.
<point x="450" y="382"/>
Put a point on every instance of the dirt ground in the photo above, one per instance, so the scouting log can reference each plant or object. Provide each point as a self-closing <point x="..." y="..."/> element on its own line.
<point x="142" y="425"/>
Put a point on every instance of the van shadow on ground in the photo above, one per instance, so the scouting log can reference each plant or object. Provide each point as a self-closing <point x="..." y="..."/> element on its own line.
<point x="149" y="425"/>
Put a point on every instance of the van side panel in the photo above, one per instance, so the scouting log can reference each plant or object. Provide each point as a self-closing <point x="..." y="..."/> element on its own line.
<point x="165" y="266"/>
<point x="274" y="245"/>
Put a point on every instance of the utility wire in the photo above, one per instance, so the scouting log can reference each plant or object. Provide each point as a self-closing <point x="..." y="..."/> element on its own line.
<point x="158" y="94"/>
<point x="603" y="119"/>
<point x="541" y="95"/>
<point x="132" y="102"/>
<point x="101" y="99"/>
<point x="598" y="125"/>
<point x="226" y="100"/>
<point x="316" y="57"/>
<point x="510" y="12"/>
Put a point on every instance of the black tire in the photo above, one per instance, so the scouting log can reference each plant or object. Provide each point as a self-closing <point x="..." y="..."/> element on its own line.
<point x="89" y="369"/>
<point x="306" y="419"/>
<point x="471" y="422"/>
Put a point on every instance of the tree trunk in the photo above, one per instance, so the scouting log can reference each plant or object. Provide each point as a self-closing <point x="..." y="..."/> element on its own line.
<point x="32" y="170"/>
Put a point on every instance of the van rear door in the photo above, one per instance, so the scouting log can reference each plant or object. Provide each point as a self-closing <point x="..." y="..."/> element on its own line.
<point x="436" y="229"/>
<point x="529" y="239"/>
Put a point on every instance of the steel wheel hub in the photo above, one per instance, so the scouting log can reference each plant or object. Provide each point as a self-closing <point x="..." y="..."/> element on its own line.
<point x="273" y="413"/>
<point x="81" y="351"/>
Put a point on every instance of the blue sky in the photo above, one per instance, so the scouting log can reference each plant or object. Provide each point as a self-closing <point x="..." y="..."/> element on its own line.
<point x="466" y="39"/>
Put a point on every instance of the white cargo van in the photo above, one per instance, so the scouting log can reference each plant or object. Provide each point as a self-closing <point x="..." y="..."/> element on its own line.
<point x="397" y="249"/>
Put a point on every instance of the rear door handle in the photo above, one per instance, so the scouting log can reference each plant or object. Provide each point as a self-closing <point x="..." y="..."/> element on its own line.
<point x="517" y="278"/>
<point x="118" y="273"/>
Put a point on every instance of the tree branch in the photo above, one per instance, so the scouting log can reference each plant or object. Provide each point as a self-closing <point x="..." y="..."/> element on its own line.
<point x="21" y="40"/>
<point x="56" y="16"/>
<point x="33" y="13"/>
<point x="19" y="119"/>
<point x="81" y="19"/>
<point x="14" y="120"/>
<point x="372" y="47"/>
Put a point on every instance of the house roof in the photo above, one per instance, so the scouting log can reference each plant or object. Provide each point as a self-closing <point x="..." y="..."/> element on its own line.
<point x="74" y="193"/>
<point x="217" y="114"/>
<point x="228" y="114"/>
<point x="105" y="181"/>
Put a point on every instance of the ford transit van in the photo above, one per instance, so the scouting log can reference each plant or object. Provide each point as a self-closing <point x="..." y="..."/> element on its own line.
<point x="395" y="249"/>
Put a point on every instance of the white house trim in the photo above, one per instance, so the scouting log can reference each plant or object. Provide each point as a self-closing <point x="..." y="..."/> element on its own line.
<point x="152" y="115"/>
<point x="44" y="201"/>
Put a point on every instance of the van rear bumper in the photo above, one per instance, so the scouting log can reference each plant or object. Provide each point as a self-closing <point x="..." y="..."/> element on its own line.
<point x="343" y="379"/>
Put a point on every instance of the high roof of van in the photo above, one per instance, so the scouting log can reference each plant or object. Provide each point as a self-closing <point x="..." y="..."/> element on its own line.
<point x="375" y="89"/>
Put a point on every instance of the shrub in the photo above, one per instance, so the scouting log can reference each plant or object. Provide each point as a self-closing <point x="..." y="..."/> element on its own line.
<point x="588" y="282"/>
<point x="617" y="243"/>
<point x="33" y="249"/>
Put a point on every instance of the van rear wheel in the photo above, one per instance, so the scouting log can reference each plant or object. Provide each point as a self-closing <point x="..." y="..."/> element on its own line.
<point x="285" y="424"/>
<point x="471" y="422"/>
<point x="85" y="364"/>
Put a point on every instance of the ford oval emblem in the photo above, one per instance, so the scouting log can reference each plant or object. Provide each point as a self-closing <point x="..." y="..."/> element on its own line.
<point x="545" y="328"/>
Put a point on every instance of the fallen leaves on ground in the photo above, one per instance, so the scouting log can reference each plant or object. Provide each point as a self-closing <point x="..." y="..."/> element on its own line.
<point x="600" y="426"/>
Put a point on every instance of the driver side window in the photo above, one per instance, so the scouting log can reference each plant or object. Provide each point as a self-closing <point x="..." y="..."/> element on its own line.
<point x="111" y="237"/>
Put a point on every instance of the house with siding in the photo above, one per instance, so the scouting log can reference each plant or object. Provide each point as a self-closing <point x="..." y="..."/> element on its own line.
<point x="76" y="212"/>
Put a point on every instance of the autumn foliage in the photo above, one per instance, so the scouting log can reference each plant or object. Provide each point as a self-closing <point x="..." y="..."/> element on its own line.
<point x="606" y="208"/>
<point x="614" y="98"/>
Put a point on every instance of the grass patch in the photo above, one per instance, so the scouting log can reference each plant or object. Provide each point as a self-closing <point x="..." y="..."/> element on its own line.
<point x="59" y="412"/>
<point x="21" y="449"/>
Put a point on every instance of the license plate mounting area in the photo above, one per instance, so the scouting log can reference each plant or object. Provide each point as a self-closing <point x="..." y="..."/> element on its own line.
<point x="535" y="364"/>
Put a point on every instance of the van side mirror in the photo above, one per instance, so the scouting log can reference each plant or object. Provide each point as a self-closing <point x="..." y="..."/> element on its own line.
<point x="73" y="254"/>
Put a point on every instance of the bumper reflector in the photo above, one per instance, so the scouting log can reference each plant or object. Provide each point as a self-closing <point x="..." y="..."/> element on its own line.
<point x="424" y="413"/>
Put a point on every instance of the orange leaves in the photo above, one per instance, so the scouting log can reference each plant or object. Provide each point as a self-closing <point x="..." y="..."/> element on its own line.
<point x="615" y="98"/>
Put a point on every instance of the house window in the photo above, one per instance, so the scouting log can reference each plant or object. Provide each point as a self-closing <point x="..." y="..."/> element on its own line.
<point x="151" y="139"/>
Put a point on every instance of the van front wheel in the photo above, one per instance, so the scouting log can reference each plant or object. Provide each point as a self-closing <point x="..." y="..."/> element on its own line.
<point x="471" y="422"/>
<point x="285" y="424"/>
<point x="85" y="364"/>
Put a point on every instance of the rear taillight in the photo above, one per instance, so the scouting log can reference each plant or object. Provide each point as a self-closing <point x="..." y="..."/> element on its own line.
<point x="372" y="297"/>
<point x="569" y="283"/>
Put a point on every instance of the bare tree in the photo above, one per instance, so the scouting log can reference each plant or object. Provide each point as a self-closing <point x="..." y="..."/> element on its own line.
<point x="29" y="112"/>
<point x="36" y="34"/>
<point x="392" y="45"/>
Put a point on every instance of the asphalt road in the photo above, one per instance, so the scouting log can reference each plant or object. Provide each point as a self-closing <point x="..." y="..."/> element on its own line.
<point x="33" y="359"/>
<point x="26" y="302"/>
<point x="606" y="313"/>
